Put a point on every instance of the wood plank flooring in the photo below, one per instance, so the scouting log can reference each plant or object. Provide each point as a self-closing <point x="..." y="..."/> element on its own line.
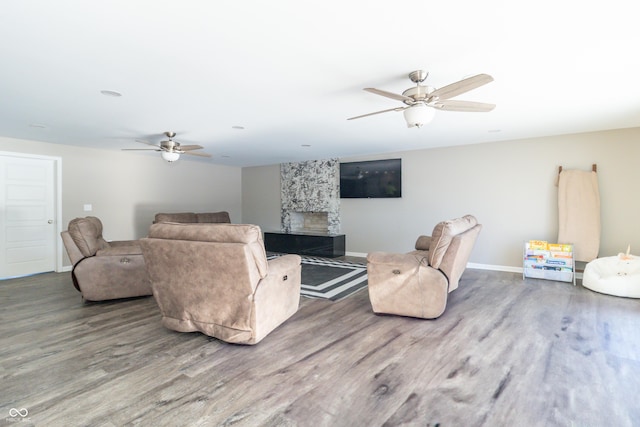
<point x="506" y="352"/>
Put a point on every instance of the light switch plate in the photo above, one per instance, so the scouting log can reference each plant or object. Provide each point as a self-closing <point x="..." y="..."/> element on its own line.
<point x="88" y="208"/>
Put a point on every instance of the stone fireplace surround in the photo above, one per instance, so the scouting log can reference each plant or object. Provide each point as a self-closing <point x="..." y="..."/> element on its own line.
<point x="310" y="195"/>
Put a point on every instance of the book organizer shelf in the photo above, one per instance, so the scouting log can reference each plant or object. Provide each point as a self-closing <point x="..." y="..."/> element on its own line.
<point x="549" y="261"/>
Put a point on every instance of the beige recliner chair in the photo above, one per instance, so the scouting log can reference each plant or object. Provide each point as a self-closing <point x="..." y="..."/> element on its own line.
<point x="416" y="284"/>
<point x="104" y="270"/>
<point x="215" y="278"/>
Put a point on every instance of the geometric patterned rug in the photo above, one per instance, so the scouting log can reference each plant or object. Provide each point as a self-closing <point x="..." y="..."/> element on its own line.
<point x="330" y="279"/>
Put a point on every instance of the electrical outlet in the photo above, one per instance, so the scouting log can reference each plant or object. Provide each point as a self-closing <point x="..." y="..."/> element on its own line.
<point x="88" y="208"/>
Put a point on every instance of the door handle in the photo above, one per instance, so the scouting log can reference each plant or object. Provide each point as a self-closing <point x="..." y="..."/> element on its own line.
<point x="50" y="221"/>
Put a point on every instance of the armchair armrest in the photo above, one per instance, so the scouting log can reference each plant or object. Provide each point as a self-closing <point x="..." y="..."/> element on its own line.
<point x="129" y="249"/>
<point x="405" y="284"/>
<point x="284" y="265"/>
<point x="124" y="243"/>
<point x="285" y="273"/>
<point x="400" y="260"/>
<point x="423" y="243"/>
<point x="277" y="296"/>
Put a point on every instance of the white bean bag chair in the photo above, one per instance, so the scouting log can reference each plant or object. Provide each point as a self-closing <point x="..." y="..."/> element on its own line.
<point x="615" y="275"/>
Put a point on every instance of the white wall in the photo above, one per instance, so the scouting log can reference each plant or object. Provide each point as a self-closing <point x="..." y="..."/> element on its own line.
<point x="261" y="196"/>
<point x="126" y="189"/>
<point x="509" y="186"/>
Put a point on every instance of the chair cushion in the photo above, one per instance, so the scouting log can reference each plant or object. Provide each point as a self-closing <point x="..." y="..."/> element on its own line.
<point x="87" y="235"/>
<point x="223" y="233"/>
<point x="182" y="217"/>
<point x="214" y="217"/>
<point x="443" y="234"/>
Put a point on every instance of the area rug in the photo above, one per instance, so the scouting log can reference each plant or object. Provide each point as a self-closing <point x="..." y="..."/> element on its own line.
<point x="330" y="279"/>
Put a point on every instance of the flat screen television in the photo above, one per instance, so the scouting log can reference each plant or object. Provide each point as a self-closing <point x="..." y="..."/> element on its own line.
<point x="371" y="179"/>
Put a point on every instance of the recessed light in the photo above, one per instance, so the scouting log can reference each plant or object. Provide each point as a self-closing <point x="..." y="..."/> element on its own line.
<point x="37" y="125"/>
<point x="110" y="93"/>
<point x="495" y="130"/>
<point x="237" y="127"/>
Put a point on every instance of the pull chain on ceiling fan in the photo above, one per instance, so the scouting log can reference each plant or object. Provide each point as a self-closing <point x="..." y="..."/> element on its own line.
<point x="422" y="100"/>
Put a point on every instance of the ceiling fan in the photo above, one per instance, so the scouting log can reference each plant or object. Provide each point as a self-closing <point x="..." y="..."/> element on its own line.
<point x="422" y="101"/>
<point x="170" y="150"/>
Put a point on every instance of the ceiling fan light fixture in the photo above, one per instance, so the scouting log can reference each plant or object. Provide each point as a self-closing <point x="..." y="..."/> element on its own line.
<point x="418" y="115"/>
<point x="170" y="156"/>
<point x="422" y="100"/>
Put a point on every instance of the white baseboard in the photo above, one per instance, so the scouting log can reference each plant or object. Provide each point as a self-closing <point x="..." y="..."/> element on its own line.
<point x="494" y="267"/>
<point x="505" y="268"/>
<point x="469" y="265"/>
<point x="358" y="254"/>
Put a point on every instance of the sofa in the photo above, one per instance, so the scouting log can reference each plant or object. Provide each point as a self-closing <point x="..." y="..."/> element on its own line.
<point x="417" y="283"/>
<point x="192" y="217"/>
<point x="104" y="270"/>
<point x="215" y="279"/>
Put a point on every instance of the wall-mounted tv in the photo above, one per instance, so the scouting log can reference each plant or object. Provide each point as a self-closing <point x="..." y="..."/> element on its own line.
<point x="371" y="179"/>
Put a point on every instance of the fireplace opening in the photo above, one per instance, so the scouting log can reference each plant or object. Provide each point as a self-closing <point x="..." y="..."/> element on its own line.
<point x="310" y="222"/>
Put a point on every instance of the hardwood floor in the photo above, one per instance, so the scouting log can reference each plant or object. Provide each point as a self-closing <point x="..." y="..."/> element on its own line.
<point x="506" y="352"/>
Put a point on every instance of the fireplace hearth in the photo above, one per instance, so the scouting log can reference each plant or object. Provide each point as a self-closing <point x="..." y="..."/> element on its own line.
<point x="325" y="245"/>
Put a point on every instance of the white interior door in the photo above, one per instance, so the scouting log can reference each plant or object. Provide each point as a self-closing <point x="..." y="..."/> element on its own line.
<point x="27" y="216"/>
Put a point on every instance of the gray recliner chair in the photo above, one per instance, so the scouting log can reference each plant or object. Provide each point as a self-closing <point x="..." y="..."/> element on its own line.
<point x="417" y="283"/>
<point x="104" y="270"/>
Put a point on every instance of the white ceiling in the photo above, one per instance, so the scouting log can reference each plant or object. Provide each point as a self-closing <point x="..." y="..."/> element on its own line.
<point x="291" y="72"/>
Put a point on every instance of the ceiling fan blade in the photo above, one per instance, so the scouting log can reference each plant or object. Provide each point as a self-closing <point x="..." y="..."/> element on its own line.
<point x="470" y="106"/>
<point x="147" y="142"/>
<point x="378" y="112"/>
<point x="190" y="147"/>
<point x="197" y="154"/>
<point x="462" y="86"/>
<point x="389" y="94"/>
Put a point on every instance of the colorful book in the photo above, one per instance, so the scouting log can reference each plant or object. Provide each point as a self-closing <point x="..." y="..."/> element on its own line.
<point x="558" y="261"/>
<point x="538" y="244"/>
<point x="565" y="255"/>
<point x="560" y="247"/>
